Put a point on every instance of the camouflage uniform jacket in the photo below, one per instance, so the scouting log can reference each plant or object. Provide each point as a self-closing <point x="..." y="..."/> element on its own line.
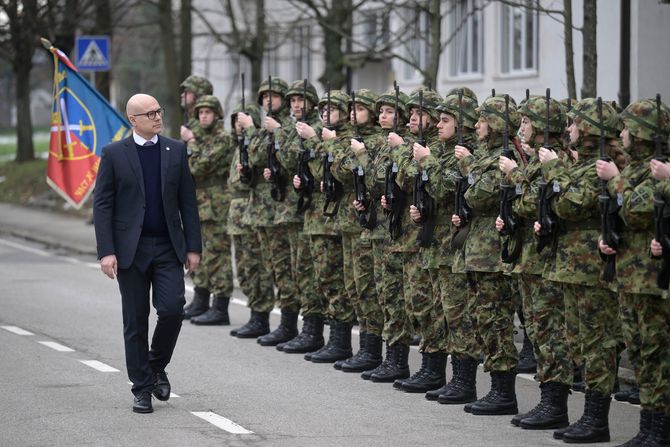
<point x="577" y="259"/>
<point x="315" y="222"/>
<point x="403" y="155"/>
<point x="287" y="155"/>
<point x="634" y="188"/>
<point x="345" y="161"/>
<point x="483" y="245"/>
<point x="209" y="162"/>
<point x="239" y="198"/>
<point x="261" y="209"/>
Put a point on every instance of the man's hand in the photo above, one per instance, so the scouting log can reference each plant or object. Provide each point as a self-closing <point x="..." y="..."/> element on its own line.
<point x="506" y="165"/>
<point x="384" y="203"/>
<point x="267" y="174"/>
<point x="358" y="206"/>
<point x="500" y="224"/>
<point x="297" y="183"/>
<point x="357" y="147"/>
<point x="271" y="124"/>
<point x="537" y="227"/>
<point x="605" y="249"/>
<point x="394" y="139"/>
<point x="656" y="248"/>
<point x="660" y="170"/>
<point x="109" y="266"/>
<point x="606" y="170"/>
<point x="186" y="134"/>
<point x="455" y="220"/>
<point x="238" y="168"/>
<point x="546" y="155"/>
<point x="414" y="214"/>
<point x="461" y="152"/>
<point x="420" y="151"/>
<point x="527" y="149"/>
<point x="192" y="262"/>
<point x="327" y="134"/>
<point x="245" y="120"/>
<point x="304" y="130"/>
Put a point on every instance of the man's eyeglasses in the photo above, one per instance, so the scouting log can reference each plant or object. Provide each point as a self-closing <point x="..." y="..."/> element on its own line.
<point x="152" y="114"/>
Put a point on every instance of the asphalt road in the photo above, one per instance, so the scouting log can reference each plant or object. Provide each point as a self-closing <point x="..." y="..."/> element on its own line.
<point x="254" y="395"/>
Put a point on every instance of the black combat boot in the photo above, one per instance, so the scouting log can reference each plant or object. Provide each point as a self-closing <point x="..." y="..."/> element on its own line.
<point x="552" y="411"/>
<point x="338" y="346"/>
<point x="287" y="330"/>
<point x="463" y="388"/>
<point x="434" y="394"/>
<point x="642" y="438"/>
<point x="198" y="305"/>
<point x="527" y="363"/>
<point x="659" y="435"/>
<point x="502" y="397"/>
<point x="422" y="370"/>
<point x="631" y="395"/>
<point x="371" y="357"/>
<point x="257" y="325"/>
<point x="593" y="426"/>
<point x="434" y="377"/>
<point x="365" y="375"/>
<point x="578" y="383"/>
<point x="309" y="340"/>
<point x="362" y="338"/>
<point x="395" y="366"/>
<point x="217" y="315"/>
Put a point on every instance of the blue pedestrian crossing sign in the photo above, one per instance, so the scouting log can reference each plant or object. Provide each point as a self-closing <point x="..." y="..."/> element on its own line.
<point x="92" y="53"/>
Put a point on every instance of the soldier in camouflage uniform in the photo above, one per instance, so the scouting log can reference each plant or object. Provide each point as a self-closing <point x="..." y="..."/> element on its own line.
<point x="542" y="300"/>
<point x="450" y="288"/>
<point x="211" y="152"/>
<point x="320" y="224"/>
<point x="255" y="280"/>
<point x="357" y="254"/>
<point x="289" y="218"/>
<point x="421" y="306"/>
<point x="577" y="266"/>
<point x="644" y="307"/>
<point x="388" y="266"/>
<point x="191" y="89"/>
<point x="495" y="302"/>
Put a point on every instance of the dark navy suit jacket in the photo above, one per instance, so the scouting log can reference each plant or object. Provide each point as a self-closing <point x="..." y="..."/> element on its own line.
<point x="119" y="200"/>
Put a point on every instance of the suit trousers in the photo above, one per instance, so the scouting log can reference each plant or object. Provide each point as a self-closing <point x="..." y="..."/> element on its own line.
<point x="155" y="268"/>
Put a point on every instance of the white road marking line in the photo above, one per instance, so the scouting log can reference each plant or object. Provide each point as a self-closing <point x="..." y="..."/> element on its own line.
<point x="24" y="248"/>
<point x="17" y="330"/>
<point x="222" y="423"/>
<point x="56" y="346"/>
<point x="173" y="394"/>
<point x="102" y="367"/>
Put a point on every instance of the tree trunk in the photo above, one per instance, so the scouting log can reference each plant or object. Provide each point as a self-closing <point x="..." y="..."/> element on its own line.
<point x="185" y="38"/>
<point x="172" y="105"/>
<point x="569" y="51"/>
<point x="340" y="12"/>
<point x="25" y="150"/>
<point x="257" y="47"/>
<point x="103" y="26"/>
<point x="434" y="43"/>
<point x="590" y="79"/>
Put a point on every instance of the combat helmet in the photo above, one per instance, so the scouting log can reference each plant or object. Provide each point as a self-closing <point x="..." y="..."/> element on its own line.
<point x="641" y="120"/>
<point x="585" y="116"/>
<point x="198" y="85"/>
<point x="297" y="89"/>
<point x="367" y="98"/>
<point x="339" y="99"/>
<point x="388" y="98"/>
<point x="469" y="105"/>
<point x="467" y="93"/>
<point x="253" y="110"/>
<point x="209" y="101"/>
<point x="493" y="109"/>
<point x="278" y="86"/>
<point x="536" y="109"/>
<point x="431" y="99"/>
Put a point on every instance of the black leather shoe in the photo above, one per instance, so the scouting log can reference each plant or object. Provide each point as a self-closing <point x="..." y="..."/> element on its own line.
<point x="142" y="403"/>
<point x="162" y="386"/>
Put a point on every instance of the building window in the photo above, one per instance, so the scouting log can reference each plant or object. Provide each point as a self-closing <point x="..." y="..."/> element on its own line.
<point x="414" y="24"/>
<point x="373" y="30"/>
<point x="302" y="66"/>
<point x="518" y="40"/>
<point x="466" y="28"/>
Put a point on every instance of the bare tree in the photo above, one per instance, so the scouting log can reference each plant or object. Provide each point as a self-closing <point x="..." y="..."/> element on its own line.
<point x="569" y="51"/>
<point x="590" y="56"/>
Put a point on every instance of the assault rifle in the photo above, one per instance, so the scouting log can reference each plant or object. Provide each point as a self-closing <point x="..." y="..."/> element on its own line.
<point x="545" y="215"/>
<point x="461" y="208"/>
<point x="422" y="200"/>
<point x="395" y="197"/>
<point x="366" y="218"/>
<point x="247" y="174"/>
<point x="507" y="196"/>
<point x="661" y="210"/>
<point x="304" y="157"/>
<point x="332" y="189"/>
<point x="278" y="191"/>
<point x="608" y="207"/>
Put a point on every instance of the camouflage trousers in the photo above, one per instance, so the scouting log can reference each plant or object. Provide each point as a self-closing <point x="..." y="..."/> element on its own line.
<point x="276" y="245"/>
<point x="421" y="307"/>
<point x="215" y="272"/>
<point x="599" y="332"/>
<point x="544" y="314"/>
<point x="359" y="263"/>
<point x="495" y="304"/>
<point x="397" y="328"/>
<point x="457" y="306"/>
<point x="312" y="301"/>
<point x="645" y="329"/>
<point x="327" y="260"/>
<point x="254" y="276"/>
